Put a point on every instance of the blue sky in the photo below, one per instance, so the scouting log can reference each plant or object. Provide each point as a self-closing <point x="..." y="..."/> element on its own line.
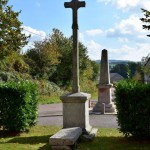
<point x="103" y="24"/>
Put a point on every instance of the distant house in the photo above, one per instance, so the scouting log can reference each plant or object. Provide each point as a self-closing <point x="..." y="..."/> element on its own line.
<point x="147" y="76"/>
<point x="115" y="77"/>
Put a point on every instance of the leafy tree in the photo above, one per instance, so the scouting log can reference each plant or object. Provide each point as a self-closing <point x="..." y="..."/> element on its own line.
<point x="42" y="59"/>
<point x="146" y="19"/>
<point x="63" y="73"/>
<point x="11" y="37"/>
<point x="125" y="70"/>
<point x="120" y="69"/>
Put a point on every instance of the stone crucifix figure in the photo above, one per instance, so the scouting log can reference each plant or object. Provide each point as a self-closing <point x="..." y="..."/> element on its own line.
<point x="75" y="5"/>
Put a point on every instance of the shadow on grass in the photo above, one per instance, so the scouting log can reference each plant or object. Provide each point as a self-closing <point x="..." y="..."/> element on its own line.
<point x="7" y="134"/>
<point x="115" y="143"/>
<point x="30" y="140"/>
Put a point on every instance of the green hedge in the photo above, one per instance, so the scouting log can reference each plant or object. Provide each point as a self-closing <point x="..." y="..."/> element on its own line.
<point x="18" y="105"/>
<point x="133" y="106"/>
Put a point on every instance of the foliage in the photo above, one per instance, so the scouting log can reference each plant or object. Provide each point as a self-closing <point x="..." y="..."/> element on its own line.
<point x="48" y="88"/>
<point x="133" y="106"/>
<point x="63" y="73"/>
<point x="18" y="105"/>
<point x="37" y="139"/>
<point x="14" y="63"/>
<point x="14" y="76"/>
<point x="146" y="19"/>
<point x="11" y="37"/>
<point x="126" y="70"/>
<point x="42" y="59"/>
<point x="49" y="92"/>
<point x="89" y="86"/>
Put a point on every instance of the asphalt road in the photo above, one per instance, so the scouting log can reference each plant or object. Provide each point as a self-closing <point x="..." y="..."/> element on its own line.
<point x="51" y="114"/>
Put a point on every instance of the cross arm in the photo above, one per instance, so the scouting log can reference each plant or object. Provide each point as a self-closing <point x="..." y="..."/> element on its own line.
<point x="72" y="4"/>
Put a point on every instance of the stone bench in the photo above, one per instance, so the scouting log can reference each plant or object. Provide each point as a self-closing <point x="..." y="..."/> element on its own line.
<point x="65" y="138"/>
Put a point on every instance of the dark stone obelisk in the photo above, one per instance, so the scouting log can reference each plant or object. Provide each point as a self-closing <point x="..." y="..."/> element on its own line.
<point x="104" y="104"/>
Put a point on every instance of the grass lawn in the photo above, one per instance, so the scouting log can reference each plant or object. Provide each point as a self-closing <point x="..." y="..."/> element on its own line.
<point x="44" y="99"/>
<point x="37" y="139"/>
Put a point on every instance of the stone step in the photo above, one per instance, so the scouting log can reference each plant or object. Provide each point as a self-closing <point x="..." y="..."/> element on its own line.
<point x="65" y="138"/>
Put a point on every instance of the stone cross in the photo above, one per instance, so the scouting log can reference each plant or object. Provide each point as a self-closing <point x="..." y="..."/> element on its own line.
<point x="75" y="5"/>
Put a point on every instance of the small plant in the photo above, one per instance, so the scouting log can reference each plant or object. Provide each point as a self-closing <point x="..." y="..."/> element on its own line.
<point x="18" y="105"/>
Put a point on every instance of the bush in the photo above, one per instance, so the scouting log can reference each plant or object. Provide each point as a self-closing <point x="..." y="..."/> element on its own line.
<point x="18" y="105"/>
<point x="133" y="105"/>
<point x="13" y="76"/>
<point x="48" y="88"/>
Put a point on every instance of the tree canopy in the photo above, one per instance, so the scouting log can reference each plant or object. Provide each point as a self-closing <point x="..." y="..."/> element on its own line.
<point x="11" y="37"/>
<point x="52" y="59"/>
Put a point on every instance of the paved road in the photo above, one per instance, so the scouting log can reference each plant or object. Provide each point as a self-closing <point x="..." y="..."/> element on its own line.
<point x="52" y="115"/>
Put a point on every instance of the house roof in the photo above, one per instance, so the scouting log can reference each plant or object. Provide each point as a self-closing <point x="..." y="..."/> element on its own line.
<point x="115" y="77"/>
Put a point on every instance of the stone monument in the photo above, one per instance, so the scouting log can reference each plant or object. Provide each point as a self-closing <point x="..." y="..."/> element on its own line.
<point x="75" y="104"/>
<point x="104" y="103"/>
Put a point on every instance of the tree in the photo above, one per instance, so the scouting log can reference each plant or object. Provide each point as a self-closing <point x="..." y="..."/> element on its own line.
<point x="63" y="73"/>
<point x="11" y="37"/>
<point x="146" y="19"/>
<point x="42" y="59"/>
<point x="125" y="70"/>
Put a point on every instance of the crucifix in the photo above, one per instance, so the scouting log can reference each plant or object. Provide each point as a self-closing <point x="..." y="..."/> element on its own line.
<point x="75" y="5"/>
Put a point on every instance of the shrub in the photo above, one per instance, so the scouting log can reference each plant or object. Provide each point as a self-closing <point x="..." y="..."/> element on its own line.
<point x="133" y="105"/>
<point x="48" y="88"/>
<point x="18" y="105"/>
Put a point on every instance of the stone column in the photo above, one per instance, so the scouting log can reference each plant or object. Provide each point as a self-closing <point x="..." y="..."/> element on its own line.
<point x="104" y="87"/>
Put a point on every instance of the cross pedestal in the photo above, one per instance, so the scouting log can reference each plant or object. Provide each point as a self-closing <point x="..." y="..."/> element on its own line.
<point x="76" y="110"/>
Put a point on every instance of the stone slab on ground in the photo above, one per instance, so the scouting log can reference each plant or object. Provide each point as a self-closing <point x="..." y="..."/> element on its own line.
<point x="65" y="137"/>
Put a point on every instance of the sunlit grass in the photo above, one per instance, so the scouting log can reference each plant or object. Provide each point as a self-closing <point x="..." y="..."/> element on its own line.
<point x="44" y="99"/>
<point x="38" y="137"/>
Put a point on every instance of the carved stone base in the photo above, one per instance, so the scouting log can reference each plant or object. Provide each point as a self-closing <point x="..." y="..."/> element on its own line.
<point x="104" y="108"/>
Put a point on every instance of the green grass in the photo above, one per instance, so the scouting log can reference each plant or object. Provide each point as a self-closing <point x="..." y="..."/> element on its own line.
<point x="44" y="99"/>
<point x="37" y="139"/>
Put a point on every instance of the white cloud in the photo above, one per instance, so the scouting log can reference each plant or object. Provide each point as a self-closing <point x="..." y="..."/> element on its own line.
<point x="127" y="4"/>
<point x="34" y="32"/>
<point x="94" y="32"/>
<point x="124" y="52"/>
<point x="81" y="37"/>
<point x="36" y="35"/>
<point x="94" y="50"/>
<point x="134" y="53"/>
<point x="145" y="4"/>
<point x="127" y="28"/>
<point x="123" y="40"/>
